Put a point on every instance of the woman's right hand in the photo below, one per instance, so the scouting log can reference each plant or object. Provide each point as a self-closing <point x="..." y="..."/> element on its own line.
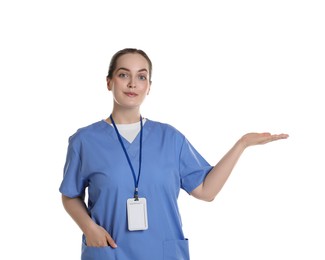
<point x="97" y="236"/>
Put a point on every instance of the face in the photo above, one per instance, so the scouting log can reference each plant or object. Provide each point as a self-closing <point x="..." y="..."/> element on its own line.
<point x="130" y="83"/>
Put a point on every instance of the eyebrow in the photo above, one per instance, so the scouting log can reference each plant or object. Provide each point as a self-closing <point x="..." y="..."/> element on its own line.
<point x="122" y="68"/>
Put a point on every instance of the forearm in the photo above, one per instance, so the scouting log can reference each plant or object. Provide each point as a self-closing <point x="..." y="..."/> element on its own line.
<point x="78" y="211"/>
<point x="219" y="174"/>
<point x="217" y="177"/>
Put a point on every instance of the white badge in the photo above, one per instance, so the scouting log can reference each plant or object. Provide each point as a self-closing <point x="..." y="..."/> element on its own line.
<point x="137" y="214"/>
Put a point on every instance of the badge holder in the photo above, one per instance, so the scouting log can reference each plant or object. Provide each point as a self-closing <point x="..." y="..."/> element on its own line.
<point x="137" y="214"/>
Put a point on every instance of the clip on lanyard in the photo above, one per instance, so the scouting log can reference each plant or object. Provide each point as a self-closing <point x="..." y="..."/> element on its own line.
<point x="136" y="180"/>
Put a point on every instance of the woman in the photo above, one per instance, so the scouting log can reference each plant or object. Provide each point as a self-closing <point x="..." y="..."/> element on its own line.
<point x="134" y="169"/>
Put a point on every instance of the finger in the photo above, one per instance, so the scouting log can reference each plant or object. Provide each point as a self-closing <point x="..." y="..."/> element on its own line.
<point x="111" y="241"/>
<point x="96" y="243"/>
<point x="278" y="137"/>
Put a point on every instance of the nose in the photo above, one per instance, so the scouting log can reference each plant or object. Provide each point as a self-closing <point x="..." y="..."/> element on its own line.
<point x="131" y="83"/>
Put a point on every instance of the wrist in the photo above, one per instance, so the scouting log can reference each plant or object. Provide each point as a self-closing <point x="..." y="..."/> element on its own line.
<point x="242" y="143"/>
<point x="88" y="226"/>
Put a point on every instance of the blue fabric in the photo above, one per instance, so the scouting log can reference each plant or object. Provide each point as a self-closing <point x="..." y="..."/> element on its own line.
<point x="95" y="160"/>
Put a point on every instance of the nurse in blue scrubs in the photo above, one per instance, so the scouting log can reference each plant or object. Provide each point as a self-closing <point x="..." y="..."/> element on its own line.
<point x="133" y="168"/>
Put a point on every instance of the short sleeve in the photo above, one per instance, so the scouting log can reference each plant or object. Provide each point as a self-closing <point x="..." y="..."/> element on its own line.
<point x="193" y="167"/>
<point x="73" y="184"/>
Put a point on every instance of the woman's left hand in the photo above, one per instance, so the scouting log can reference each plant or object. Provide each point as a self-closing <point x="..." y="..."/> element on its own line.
<point x="261" y="138"/>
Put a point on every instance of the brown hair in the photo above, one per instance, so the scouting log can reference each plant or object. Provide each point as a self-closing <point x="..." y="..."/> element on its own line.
<point x="112" y="65"/>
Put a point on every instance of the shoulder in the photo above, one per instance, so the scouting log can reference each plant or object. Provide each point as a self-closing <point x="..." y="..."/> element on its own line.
<point x="165" y="128"/>
<point x="87" y="132"/>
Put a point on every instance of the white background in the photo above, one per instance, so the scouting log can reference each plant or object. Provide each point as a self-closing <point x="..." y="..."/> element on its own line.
<point x="221" y="69"/>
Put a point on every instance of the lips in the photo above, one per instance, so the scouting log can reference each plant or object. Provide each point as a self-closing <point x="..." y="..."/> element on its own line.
<point x="130" y="94"/>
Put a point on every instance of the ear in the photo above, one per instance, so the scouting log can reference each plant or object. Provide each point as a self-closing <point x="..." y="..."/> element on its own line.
<point x="108" y="83"/>
<point x="149" y="89"/>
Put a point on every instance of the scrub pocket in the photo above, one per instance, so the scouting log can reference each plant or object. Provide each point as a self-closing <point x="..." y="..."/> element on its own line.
<point x="97" y="253"/>
<point x="176" y="250"/>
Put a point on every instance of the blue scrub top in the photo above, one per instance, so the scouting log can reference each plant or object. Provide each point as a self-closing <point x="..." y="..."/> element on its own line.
<point x="95" y="160"/>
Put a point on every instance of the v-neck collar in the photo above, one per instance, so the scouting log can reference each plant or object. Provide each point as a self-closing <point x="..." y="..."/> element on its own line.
<point x="136" y="142"/>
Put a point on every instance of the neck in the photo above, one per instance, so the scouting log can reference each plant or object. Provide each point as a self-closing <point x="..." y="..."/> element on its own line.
<point x="126" y="117"/>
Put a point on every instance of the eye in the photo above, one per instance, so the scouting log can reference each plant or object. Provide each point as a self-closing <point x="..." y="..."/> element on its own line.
<point x="122" y="75"/>
<point x="142" y="77"/>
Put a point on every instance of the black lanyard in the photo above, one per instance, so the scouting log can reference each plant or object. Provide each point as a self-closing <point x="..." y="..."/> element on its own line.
<point x="136" y="180"/>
